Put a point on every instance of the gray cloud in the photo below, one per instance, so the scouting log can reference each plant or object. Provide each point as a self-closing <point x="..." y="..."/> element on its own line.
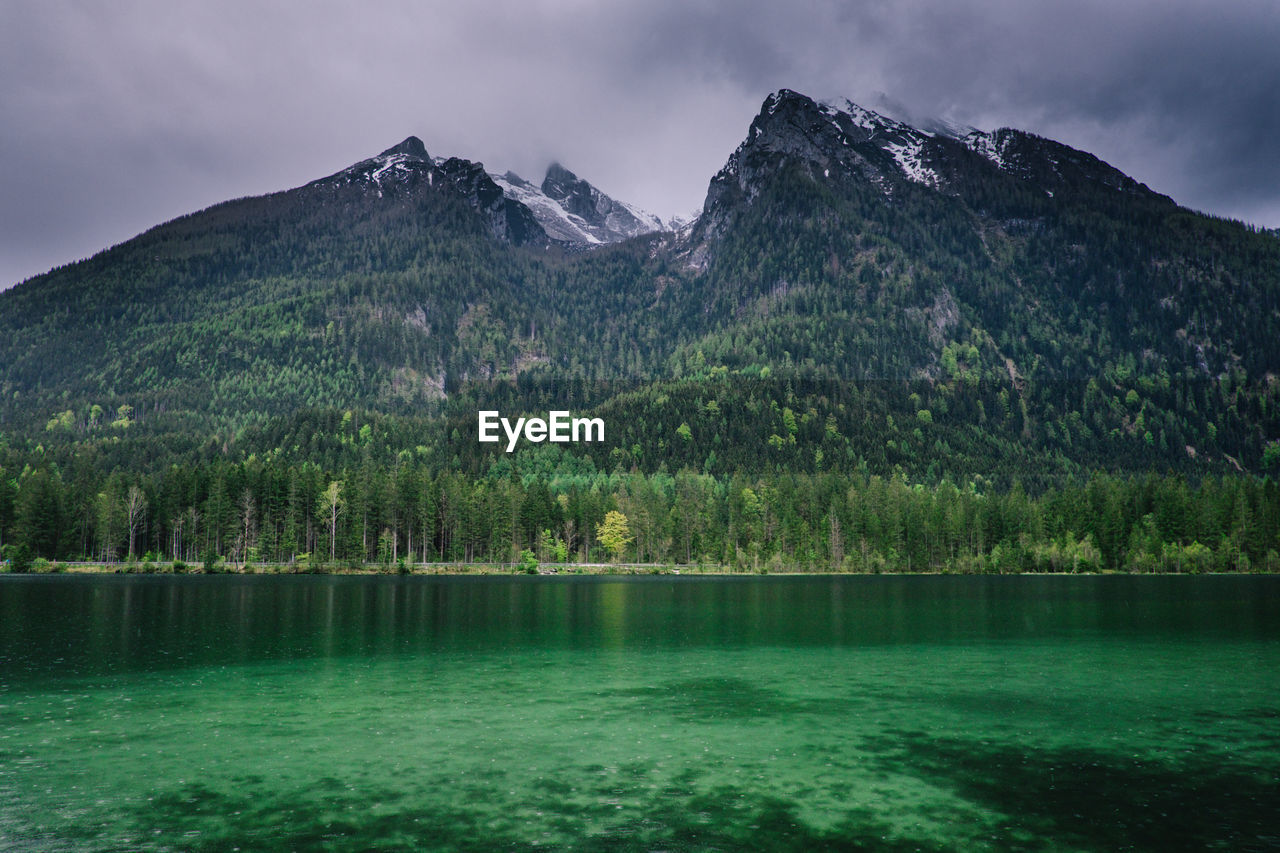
<point x="120" y="115"/>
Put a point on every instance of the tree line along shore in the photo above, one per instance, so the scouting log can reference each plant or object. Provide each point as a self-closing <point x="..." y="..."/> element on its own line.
<point x="259" y="517"/>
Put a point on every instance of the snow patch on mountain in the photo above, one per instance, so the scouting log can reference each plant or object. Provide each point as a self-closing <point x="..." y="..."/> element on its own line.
<point x="554" y="219"/>
<point x="647" y="220"/>
<point x="900" y="140"/>
<point x="401" y="166"/>
<point x="572" y="211"/>
<point x="989" y="145"/>
<point x="387" y="164"/>
<point x="909" y="159"/>
<point x="861" y="117"/>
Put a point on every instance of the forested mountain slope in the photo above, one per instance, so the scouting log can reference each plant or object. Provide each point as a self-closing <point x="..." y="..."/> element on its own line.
<point x="857" y="294"/>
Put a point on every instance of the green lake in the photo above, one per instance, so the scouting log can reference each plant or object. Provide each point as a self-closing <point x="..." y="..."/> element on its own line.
<point x="646" y="713"/>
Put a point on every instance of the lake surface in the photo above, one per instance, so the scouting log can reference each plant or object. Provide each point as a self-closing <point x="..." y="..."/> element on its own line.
<point x="601" y="714"/>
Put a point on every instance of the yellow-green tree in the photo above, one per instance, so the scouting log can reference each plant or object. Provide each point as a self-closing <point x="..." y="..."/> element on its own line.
<point x="614" y="533"/>
<point x="331" y="504"/>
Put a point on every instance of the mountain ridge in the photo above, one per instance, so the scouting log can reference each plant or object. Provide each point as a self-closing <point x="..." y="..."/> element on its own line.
<point x="883" y="150"/>
<point x="564" y="209"/>
<point x="1015" y="289"/>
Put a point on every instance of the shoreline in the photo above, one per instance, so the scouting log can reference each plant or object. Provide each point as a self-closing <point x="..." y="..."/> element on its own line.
<point x="550" y="570"/>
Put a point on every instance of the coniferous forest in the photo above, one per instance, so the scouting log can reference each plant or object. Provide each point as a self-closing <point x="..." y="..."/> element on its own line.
<point x="1036" y="365"/>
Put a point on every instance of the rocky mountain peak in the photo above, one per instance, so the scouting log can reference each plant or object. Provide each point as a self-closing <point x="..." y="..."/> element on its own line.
<point x="573" y="211"/>
<point x="573" y="194"/>
<point x="412" y="147"/>
<point x="406" y="170"/>
<point x="838" y="142"/>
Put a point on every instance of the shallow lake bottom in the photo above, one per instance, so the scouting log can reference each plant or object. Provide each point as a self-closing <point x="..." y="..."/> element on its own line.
<point x="636" y="714"/>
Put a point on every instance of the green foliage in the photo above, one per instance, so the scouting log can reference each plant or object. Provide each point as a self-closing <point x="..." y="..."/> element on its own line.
<point x="19" y="558"/>
<point x="994" y="300"/>
<point x="1271" y="458"/>
<point x="614" y="533"/>
<point x="986" y="379"/>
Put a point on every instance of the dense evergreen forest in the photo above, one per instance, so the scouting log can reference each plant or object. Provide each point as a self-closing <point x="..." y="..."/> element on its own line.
<point x="552" y="506"/>
<point x="344" y="489"/>
<point x="1039" y="365"/>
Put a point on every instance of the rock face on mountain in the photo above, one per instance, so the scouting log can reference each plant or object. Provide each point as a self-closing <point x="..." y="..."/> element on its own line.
<point x="407" y="168"/>
<point x="565" y="209"/>
<point x="840" y="141"/>
<point x="507" y="219"/>
<point x="574" y="212"/>
<point x="604" y="215"/>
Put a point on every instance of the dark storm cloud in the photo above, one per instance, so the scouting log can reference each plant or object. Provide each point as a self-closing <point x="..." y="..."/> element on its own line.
<point x="1182" y="95"/>
<point x="117" y="116"/>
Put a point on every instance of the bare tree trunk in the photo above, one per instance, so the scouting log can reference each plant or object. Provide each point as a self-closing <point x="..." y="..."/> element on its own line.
<point x="135" y="507"/>
<point x="331" y="501"/>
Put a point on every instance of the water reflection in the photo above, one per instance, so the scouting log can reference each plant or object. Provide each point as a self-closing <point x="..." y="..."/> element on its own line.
<point x="89" y="625"/>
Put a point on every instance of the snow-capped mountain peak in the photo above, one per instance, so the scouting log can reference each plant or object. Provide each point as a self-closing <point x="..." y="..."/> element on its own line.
<point x="573" y="211"/>
<point x="569" y="209"/>
<point x="838" y="141"/>
<point x="554" y="219"/>
<point x="400" y="166"/>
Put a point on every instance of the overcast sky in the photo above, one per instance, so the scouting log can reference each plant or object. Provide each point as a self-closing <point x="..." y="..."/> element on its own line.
<point x="116" y="116"/>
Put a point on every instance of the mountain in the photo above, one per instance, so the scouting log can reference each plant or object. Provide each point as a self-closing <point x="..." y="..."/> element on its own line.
<point x="403" y="170"/>
<point x="1001" y="232"/>
<point x="574" y="212"/>
<point x="370" y="286"/>
<point x="602" y="214"/>
<point x="846" y="142"/>
<point x="847" y="146"/>
<point x="1027" y="291"/>
<point x="565" y="209"/>
<point x="856" y="294"/>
